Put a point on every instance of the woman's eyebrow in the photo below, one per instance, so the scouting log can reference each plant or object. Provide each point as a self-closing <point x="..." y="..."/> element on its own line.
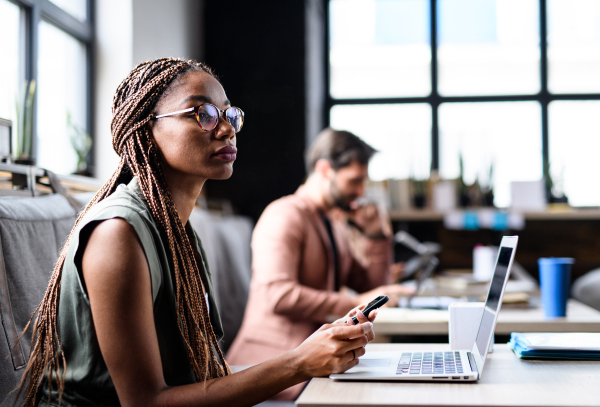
<point x="202" y="98"/>
<point x="199" y="98"/>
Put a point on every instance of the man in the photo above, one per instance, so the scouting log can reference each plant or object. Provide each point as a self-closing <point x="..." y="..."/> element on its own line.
<point x="304" y="252"/>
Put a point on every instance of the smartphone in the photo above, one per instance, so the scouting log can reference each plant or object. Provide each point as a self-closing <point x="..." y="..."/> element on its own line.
<point x="373" y="305"/>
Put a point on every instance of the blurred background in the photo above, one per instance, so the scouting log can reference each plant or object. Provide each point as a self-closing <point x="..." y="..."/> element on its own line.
<point x="471" y="103"/>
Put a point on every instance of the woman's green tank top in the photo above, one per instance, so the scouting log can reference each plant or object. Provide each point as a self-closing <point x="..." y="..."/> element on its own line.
<point x="87" y="381"/>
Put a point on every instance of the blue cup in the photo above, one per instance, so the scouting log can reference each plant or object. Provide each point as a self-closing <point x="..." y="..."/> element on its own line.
<point x="555" y="275"/>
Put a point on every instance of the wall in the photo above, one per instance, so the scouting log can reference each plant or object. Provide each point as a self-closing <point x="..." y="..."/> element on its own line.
<point x="170" y="28"/>
<point x="129" y="32"/>
<point x="261" y="52"/>
<point x="113" y="60"/>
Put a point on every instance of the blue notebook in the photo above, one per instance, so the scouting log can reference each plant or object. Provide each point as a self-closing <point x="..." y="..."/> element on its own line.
<point x="571" y="345"/>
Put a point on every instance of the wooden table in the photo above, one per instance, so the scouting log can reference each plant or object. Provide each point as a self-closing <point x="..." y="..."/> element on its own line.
<point x="403" y="321"/>
<point x="506" y="381"/>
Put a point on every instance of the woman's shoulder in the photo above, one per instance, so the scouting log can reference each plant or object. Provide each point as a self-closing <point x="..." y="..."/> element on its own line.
<point x="127" y="196"/>
<point x="123" y="218"/>
<point x="127" y="202"/>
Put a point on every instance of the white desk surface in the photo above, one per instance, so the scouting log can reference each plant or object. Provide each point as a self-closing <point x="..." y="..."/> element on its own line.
<point x="506" y="381"/>
<point x="403" y="321"/>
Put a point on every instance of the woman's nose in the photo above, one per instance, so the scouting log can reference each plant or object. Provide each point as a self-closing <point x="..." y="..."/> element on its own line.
<point x="224" y="130"/>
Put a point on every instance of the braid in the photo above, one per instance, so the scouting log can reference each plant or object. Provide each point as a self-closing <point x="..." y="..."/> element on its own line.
<point x="132" y="108"/>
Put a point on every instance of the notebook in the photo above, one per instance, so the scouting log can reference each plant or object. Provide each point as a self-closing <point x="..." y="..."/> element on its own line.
<point x="569" y="345"/>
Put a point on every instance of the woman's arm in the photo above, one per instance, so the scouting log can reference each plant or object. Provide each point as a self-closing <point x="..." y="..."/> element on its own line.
<point x="118" y="282"/>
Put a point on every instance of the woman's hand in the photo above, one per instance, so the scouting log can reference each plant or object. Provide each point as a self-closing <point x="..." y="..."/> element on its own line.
<point x="357" y="312"/>
<point x="333" y="348"/>
<point x="338" y="345"/>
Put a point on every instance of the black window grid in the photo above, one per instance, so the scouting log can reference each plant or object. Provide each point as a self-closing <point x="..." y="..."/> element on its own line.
<point x="34" y="12"/>
<point x="434" y="99"/>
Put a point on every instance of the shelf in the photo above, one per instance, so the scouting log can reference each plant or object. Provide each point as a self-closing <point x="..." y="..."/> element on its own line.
<point x="433" y="216"/>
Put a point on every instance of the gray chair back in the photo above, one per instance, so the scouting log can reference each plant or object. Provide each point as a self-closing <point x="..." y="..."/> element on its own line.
<point x="226" y="241"/>
<point x="32" y="232"/>
<point x="586" y="289"/>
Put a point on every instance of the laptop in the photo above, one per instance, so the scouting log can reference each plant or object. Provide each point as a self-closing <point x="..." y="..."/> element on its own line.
<point x="443" y="364"/>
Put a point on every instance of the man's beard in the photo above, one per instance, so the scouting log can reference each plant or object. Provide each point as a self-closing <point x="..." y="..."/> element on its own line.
<point x="338" y="199"/>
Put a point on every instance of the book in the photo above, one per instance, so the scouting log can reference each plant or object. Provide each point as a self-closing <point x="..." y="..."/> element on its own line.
<point x="569" y="345"/>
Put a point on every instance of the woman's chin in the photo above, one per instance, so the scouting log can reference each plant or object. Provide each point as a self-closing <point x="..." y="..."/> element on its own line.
<point x="222" y="174"/>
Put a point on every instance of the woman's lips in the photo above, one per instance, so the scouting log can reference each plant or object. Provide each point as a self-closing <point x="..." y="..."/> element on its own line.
<point x="227" y="153"/>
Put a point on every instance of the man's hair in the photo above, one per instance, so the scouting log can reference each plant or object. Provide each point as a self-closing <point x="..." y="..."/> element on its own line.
<point x="133" y="109"/>
<point x="340" y="148"/>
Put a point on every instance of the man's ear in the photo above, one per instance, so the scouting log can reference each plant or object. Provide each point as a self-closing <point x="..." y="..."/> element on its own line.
<point x="323" y="168"/>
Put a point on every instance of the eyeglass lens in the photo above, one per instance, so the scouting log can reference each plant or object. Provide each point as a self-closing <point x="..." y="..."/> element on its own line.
<point x="208" y="117"/>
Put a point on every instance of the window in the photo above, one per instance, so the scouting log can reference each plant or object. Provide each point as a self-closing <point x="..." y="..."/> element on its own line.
<point x="506" y="85"/>
<point x="503" y="138"/>
<point x="379" y="48"/>
<point x="49" y="42"/>
<point x="574" y="148"/>
<point x="401" y="134"/>
<point x="11" y="66"/>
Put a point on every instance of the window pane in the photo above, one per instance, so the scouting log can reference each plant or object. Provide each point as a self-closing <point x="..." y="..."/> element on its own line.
<point x="77" y="8"/>
<point x="574" y="46"/>
<point x="574" y="143"/>
<point x="10" y="16"/>
<point x="62" y="90"/>
<point x="488" y="47"/>
<point x="401" y="133"/>
<point x="379" y="48"/>
<point x="507" y="135"/>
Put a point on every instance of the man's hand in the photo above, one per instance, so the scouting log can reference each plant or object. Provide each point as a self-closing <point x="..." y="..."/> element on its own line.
<point x="371" y="220"/>
<point x="396" y="271"/>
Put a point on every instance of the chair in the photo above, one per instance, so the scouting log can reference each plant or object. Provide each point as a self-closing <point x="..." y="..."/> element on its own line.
<point x="226" y="241"/>
<point x="586" y="289"/>
<point x="32" y="232"/>
<point x="33" y="229"/>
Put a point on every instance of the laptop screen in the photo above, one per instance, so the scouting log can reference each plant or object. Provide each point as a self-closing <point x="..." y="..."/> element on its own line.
<point x="486" y="327"/>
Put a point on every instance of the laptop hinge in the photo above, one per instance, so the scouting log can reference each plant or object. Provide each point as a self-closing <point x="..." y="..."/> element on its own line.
<point x="472" y="363"/>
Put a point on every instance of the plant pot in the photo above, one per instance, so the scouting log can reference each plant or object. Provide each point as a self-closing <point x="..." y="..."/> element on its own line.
<point x="85" y="173"/>
<point x="465" y="200"/>
<point x="487" y="199"/>
<point x="19" y="181"/>
<point x="419" y="201"/>
<point x="558" y="199"/>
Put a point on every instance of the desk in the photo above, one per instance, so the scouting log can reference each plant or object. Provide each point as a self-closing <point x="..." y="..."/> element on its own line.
<point x="402" y="321"/>
<point x="506" y="381"/>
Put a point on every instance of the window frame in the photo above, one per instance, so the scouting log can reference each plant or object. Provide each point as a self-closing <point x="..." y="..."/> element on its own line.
<point x="434" y="99"/>
<point x="33" y="12"/>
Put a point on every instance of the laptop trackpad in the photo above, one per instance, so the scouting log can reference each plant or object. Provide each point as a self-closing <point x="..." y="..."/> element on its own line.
<point x="374" y="362"/>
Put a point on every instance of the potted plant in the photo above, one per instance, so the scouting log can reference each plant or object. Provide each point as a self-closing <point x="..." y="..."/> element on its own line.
<point x="487" y="192"/>
<point x="23" y="142"/>
<point x="81" y="143"/>
<point x="554" y="187"/>
<point x="464" y="197"/>
<point x="23" y="147"/>
<point x="419" y="188"/>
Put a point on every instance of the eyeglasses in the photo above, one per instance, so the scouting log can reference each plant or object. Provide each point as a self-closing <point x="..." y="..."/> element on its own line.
<point x="208" y="116"/>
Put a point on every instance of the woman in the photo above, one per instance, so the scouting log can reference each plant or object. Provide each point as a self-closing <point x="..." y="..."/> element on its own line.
<point x="129" y="317"/>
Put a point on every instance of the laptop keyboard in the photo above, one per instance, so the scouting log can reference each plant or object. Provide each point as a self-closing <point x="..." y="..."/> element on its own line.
<point x="412" y="363"/>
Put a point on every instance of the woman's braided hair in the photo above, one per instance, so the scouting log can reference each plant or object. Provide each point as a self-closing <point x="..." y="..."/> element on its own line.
<point x="133" y="103"/>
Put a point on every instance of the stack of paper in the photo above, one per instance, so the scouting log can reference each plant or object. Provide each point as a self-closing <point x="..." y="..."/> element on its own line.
<point x="571" y="345"/>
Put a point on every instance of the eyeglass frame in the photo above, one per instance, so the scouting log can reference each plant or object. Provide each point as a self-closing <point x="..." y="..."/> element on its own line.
<point x="196" y="109"/>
